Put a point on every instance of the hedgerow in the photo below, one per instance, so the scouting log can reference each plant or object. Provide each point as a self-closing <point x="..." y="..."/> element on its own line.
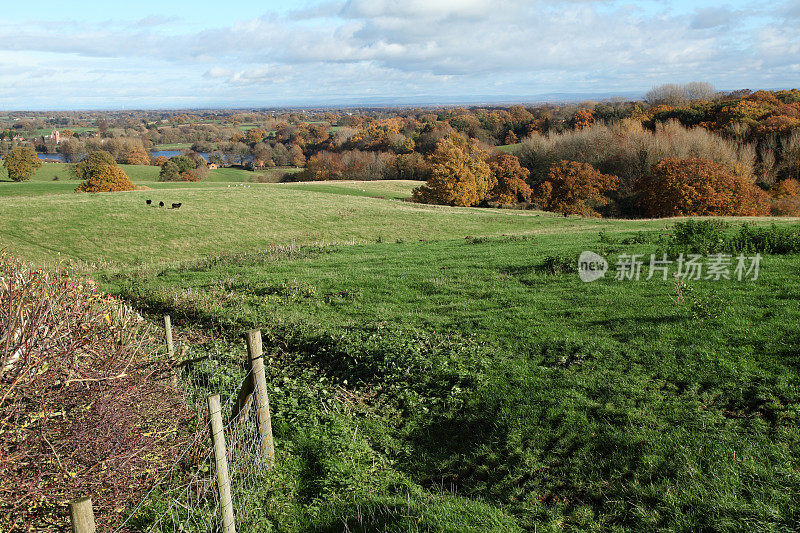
<point x="85" y="407"/>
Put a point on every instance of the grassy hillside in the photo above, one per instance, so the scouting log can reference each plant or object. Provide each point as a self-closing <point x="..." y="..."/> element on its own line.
<point x="217" y="218"/>
<point x="444" y="369"/>
<point x="486" y="372"/>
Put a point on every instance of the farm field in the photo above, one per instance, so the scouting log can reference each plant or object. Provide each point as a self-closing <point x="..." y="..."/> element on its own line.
<point x="445" y="369"/>
<point x="55" y="178"/>
<point x="119" y="229"/>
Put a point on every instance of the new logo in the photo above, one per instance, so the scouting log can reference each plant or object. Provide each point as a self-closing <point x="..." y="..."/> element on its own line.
<point x="591" y="266"/>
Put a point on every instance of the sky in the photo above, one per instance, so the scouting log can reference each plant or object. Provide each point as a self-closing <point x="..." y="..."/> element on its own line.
<point x="245" y="53"/>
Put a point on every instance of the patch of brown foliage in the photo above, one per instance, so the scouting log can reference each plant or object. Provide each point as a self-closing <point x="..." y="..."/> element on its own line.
<point x="575" y="188"/>
<point x="698" y="187"/>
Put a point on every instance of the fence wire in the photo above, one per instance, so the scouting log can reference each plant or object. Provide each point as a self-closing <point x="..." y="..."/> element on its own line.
<point x="186" y="499"/>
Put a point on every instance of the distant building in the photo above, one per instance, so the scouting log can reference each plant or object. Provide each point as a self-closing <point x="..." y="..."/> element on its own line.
<point x="17" y="138"/>
<point x="213" y="166"/>
<point x="54" y="137"/>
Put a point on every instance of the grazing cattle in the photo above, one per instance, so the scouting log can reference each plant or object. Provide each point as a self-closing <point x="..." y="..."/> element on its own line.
<point x="149" y="202"/>
<point x="160" y="204"/>
<point x="176" y="206"/>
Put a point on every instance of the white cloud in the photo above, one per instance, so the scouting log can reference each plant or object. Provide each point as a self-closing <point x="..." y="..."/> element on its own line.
<point x="427" y="47"/>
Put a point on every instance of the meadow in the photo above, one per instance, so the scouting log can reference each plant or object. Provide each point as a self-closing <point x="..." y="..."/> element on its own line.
<point x="444" y="369"/>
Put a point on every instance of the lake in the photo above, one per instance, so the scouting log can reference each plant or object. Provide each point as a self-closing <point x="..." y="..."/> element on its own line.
<point x="155" y="153"/>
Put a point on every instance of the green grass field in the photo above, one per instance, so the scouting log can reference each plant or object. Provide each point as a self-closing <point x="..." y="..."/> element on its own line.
<point x="44" y="182"/>
<point x="47" y="131"/>
<point x="509" y="148"/>
<point x="444" y="369"/>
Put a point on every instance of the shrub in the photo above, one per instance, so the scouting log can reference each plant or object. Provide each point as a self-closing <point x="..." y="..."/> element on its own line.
<point x="190" y="167"/>
<point x="787" y="188"/>
<point x="559" y="264"/>
<point x="21" y="163"/>
<point x="576" y="188"/>
<point x="697" y="187"/>
<point x="109" y="178"/>
<point x="85" y="409"/>
<point x="699" y="236"/>
<point x="713" y="236"/>
<point x="785" y="207"/>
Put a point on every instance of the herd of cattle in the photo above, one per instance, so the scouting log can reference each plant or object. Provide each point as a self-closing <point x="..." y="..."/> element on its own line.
<point x="161" y="204"/>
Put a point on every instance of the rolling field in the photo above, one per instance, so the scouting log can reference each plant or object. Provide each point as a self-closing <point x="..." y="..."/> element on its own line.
<point x="445" y="369"/>
<point x="218" y="217"/>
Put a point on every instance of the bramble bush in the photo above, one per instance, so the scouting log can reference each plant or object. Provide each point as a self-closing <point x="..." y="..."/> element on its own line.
<point x="84" y="407"/>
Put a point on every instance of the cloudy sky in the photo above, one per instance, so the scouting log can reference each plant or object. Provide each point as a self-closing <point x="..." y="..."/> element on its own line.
<point x="182" y="53"/>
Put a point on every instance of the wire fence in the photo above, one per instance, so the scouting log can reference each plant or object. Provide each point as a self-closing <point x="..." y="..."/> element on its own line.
<point x="186" y="499"/>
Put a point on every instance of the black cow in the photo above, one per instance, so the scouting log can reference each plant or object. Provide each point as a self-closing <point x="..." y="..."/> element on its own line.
<point x="176" y="206"/>
<point x="160" y="204"/>
<point x="149" y="202"/>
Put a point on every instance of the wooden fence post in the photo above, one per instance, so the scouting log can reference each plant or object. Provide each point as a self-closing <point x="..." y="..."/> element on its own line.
<point x="259" y="377"/>
<point x="82" y="516"/>
<point x="168" y="328"/>
<point x="221" y="461"/>
<point x="177" y="369"/>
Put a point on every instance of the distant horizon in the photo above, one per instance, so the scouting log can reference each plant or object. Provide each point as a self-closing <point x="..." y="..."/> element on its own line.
<point x="371" y="102"/>
<point x="388" y="102"/>
<point x="267" y="53"/>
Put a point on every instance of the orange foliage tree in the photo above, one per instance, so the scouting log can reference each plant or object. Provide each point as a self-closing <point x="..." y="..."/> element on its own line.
<point x="106" y="178"/>
<point x="583" y="118"/>
<point x="459" y="173"/>
<point x="510" y="180"/>
<point x="575" y="188"/>
<point x="788" y="188"/>
<point x="698" y="187"/>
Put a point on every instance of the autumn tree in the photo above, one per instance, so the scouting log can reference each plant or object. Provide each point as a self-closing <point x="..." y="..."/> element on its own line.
<point x="21" y="163"/>
<point x="136" y="156"/>
<point x="787" y="188"/>
<point x="459" y="172"/>
<point x="583" y="118"/>
<point x="697" y="187"/>
<point x="576" y="188"/>
<point x="184" y="168"/>
<point x="106" y="178"/>
<point x="511" y="138"/>
<point x="510" y="180"/>
<point x="92" y="164"/>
